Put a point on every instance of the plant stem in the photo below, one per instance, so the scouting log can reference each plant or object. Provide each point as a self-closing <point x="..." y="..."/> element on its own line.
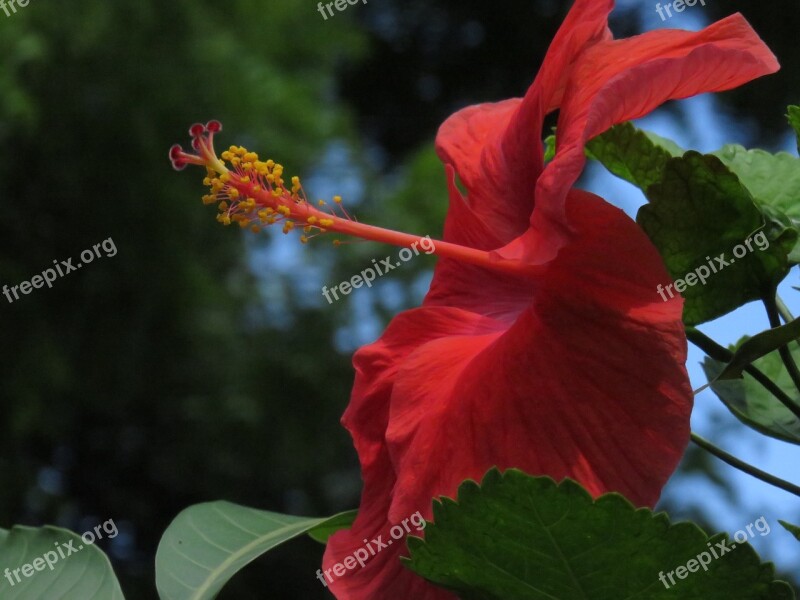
<point x="786" y="354"/>
<point x="722" y="354"/>
<point x="743" y="466"/>
<point x="783" y="310"/>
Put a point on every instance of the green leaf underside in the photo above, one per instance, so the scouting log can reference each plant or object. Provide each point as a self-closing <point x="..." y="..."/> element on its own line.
<point x="328" y="527"/>
<point x="517" y="537"/>
<point x="207" y="544"/>
<point x="699" y="210"/>
<point x="793" y="529"/>
<point x="750" y="402"/>
<point x="84" y="573"/>
<point x="794" y="121"/>
<point x="632" y="154"/>
<point x="772" y="179"/>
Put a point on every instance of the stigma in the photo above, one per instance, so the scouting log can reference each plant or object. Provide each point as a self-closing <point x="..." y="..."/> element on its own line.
<point x="253" y="193"/>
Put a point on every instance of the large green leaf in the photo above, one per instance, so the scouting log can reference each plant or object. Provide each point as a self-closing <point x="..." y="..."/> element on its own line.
<point x="794" y="121"/>
<point x="700" y="211"/>
<point x="751" y="403"/>
<point x="209" y="543"/>
<point x="517" y="537"/>
<point x="51" y="563"/>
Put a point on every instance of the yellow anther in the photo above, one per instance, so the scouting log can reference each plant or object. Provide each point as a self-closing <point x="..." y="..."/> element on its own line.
<point x="209" y="199"/>
<point x="245" y="179"/>
<point x="326" y="222"/>
<point x="288" y="226"/>
<point x="244" y="223"/>
<point x="270" y="163"/>
<point x="284" y="210"/>
<point x="311" y="220"/>
<point x="250" y="156"/>
<point x="321" y="202"/>
<point x="255" y="229"/>
<point x="237" y="217"/>
<point x="225" y="177"/>
<point x="207" y="181"/>
<point x="226" y="155"/>
<point x="233" y="193"/>
<point x="223" y="205"/>
<point x="256" y="188"/>
<point x="303" y="239"/>
<point x="270" y="177"/>
<point x="236" y="161"/>
<point x="337" y="199"/>
<point x="307" y="229"/>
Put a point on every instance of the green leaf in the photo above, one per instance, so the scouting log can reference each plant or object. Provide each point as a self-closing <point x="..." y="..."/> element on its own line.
<point x="760" y="345"/>
<point x="632" y="154"/>
<point x="209" y="543"/>
<point x="772" y="179"/>
<point x="749" y="401"/>
<point x="549" y="148"/>
<point x="528" y="538"/>
<point x="83" y="573"/>
<point x="793" y="529"/>
<point x="327" y="528"/>
<point x="794" y="121"/>
<point x="701" y="211"/>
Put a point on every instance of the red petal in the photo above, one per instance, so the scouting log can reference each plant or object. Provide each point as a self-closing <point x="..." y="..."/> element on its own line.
<point x="621" y="80"/>
<point x="588" y="383"/>
<point x="367" y="418"/>
<point x="497" y="148"/>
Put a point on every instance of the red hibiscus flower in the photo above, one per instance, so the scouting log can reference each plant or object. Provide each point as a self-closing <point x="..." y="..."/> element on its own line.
<point x="556" y="355"/>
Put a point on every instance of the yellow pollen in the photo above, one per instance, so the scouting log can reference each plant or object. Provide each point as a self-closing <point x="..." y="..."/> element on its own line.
<point x="225" y="177"/>
<point x="337" y="199"/>
<point x="326" y="222"/>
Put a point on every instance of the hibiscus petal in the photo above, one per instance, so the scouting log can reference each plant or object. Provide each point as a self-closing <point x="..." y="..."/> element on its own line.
<point x="621" y="80"/>
<point x="367" y="417"/>
<point x="589" y="383"/>
<point x="497" y="148"/>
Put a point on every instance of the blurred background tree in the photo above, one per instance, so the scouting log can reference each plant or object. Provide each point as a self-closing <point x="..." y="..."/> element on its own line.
<point x="202" y="363"/>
